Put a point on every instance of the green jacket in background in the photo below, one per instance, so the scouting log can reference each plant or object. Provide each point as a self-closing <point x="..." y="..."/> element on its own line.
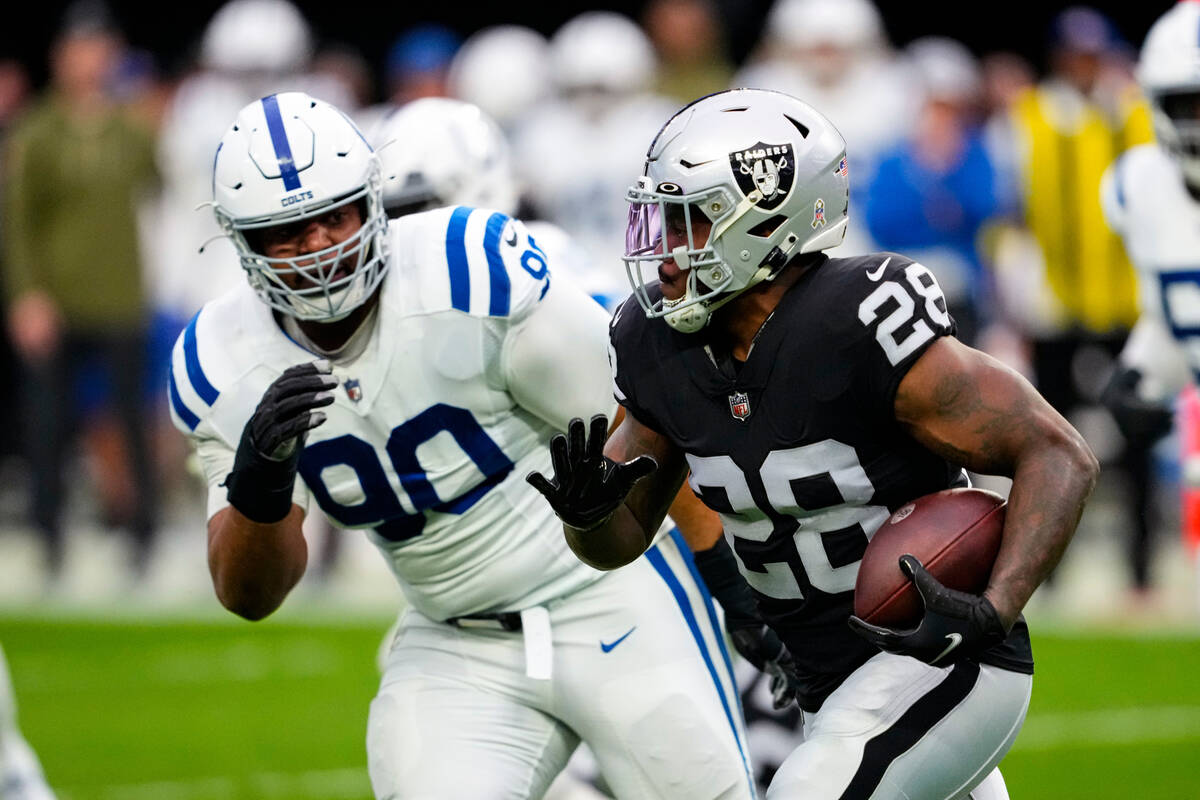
<point x="70" y="217"/>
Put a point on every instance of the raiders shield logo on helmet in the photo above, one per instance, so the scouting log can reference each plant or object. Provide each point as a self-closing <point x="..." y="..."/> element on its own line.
<point x="769" y="168"/>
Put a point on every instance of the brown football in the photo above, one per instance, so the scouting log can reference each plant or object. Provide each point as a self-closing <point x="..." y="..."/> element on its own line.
<point x="955" y="533"/>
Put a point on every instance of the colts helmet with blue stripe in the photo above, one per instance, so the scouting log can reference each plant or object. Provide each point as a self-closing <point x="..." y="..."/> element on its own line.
<point x="290" y="157"/>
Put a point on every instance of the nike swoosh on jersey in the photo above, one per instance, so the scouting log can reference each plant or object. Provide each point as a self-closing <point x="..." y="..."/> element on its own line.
<point x="607" y="647"/>
<point x="955" y="641"/>
<point x="511" y="240"/>
<point x="877" y="273"/>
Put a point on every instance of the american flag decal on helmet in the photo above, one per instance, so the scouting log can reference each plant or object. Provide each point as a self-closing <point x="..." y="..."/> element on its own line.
<point x="841" y="168"/>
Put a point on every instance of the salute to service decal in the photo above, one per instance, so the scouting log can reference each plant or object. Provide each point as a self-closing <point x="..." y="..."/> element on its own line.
<point x="769" y="168"/>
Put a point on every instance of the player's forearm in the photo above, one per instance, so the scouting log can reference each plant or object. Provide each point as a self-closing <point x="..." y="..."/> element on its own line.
<point x="700" y="525"/>
<point x="1050" y="486"/>
<point x="254" y="565"/>
<point x="614" y="544"/>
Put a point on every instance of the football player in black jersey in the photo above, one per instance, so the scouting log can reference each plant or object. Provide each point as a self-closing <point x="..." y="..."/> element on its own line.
<point x="805" y="398"/>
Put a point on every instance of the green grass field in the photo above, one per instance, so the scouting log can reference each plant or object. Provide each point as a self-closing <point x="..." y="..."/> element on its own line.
<point x="222" y="710"/>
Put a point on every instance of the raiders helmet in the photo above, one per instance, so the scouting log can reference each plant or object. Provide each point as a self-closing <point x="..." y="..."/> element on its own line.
<point x="765" y="169"/>
<point x="1169" y="72"/>
<point x="287" y="158"/>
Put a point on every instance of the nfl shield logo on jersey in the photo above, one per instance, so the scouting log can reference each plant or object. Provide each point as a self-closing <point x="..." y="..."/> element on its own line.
<point x="769" y="168"/>
<point x="353" y="389"/>
<point x="739" y="405"/>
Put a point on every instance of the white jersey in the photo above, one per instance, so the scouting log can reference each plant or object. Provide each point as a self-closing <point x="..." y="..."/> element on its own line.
<point x="1146" y="202"/>
<point x="477" y="357"/>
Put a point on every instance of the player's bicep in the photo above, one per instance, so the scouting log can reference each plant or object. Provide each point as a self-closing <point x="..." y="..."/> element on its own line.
<point x="555" y="361"/>
<point x="973" y="410"/>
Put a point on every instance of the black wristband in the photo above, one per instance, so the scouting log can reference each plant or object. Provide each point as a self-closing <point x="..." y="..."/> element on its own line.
<point x="260" y="488"/>
<point x="718" y="568"/>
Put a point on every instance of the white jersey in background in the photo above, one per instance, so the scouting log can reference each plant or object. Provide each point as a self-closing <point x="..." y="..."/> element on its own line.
<point x="437" y="422"/>
<point x="1146" y="202"/>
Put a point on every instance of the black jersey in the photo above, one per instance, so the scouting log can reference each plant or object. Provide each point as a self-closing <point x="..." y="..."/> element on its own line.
<point x="798" y="448"/>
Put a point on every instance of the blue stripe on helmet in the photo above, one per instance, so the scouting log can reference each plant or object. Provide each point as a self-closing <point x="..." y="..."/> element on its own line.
<point x="456" y="259"/>
<point x="283" y="150"/>
<point x="191" y="356"/>
<point x="497" y="273"/>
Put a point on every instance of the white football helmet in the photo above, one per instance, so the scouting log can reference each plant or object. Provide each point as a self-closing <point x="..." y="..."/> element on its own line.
<point x="436" y="151"/>
<point x="504" y="70"/>
<point x="1169" y="72"/>
<point x="804" y="24"/>
<point x="257" y="36"/>
<point x="287" y="158"/>
<point x="765" y="169"/>
<point x="602" y="51"/>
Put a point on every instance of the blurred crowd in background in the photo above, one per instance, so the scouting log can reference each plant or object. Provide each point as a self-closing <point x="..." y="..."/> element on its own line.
<point x="984" y="167"/>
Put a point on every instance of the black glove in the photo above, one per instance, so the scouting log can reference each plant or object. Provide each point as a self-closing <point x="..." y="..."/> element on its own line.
<point x="956" y="625"/>
<point x="1142" y="422"/>
<point x="268" y="455"/>
<point x="756" y="642"/>
<point x="587" y="487"/>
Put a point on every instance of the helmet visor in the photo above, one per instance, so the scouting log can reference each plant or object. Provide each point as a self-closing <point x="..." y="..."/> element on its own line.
<point x="669" y="225"/>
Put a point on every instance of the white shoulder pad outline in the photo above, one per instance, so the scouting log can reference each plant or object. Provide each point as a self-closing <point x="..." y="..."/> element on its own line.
<point x="487" y="264"/>
<point x="222" y="344"/>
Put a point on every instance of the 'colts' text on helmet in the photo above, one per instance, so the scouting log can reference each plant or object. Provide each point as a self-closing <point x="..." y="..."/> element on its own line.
<point x="286" y="160"/>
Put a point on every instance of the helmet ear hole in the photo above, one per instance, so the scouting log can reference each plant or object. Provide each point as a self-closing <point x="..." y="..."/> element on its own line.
<point x="764" y="229"/>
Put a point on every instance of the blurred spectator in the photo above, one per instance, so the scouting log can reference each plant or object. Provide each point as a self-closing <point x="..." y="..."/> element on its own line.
<point x="418" y="63"/>
<point x="583" y="149"/>
<point x="835" y="55"/>
<point x="14" y="97"/>
<point x="504" y="70"/>
<point x="931" y="195"/>
<point x="1069" y="128"/>
<point x="687" y="35"/>
<point x="343" y="66"/>
<point x="1006" y="77"/>
<point x="80" y="164"/>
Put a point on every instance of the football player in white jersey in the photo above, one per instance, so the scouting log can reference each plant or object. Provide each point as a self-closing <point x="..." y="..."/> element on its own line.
<point x="1151" y="197"/>
<point x="410" y="373"/>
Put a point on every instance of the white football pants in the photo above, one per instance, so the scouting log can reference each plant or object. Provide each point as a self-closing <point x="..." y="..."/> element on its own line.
<point x="899" y="729"/>
<point x="639" y="672"/>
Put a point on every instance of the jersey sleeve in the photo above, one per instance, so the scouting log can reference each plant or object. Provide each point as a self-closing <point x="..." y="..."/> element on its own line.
<point x="899" y="311"/>
<point x="554" y="357"/>
<point x="209" y="410"/>
<point x="627" y="355"/>
<point x="485" y="264"/>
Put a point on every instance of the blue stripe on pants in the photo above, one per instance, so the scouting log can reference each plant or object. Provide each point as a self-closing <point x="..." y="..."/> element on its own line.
<point x="656" y="559"/>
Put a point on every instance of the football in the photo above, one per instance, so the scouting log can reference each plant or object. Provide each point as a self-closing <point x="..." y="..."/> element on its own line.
<point x="955" y="533"/>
